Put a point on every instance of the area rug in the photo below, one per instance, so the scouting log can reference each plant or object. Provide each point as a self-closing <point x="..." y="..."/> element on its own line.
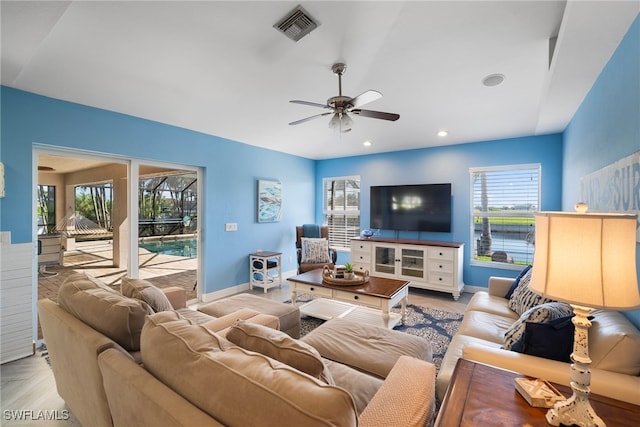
<point x="436" y="326"/>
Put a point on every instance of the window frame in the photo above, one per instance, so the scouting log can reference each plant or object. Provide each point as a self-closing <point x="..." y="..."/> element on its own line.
<point x="533" y="167"/>
<point x="341" y="243"/>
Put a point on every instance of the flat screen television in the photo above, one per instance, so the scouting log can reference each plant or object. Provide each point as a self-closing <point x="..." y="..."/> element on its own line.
<point x="422" y="207"/>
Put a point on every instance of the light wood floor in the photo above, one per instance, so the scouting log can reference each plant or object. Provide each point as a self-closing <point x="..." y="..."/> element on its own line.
<point x="28" y="386"/>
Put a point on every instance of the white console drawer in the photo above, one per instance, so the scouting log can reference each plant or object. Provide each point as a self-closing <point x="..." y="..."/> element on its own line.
<point x="360" y="257"/>
<point x="441" y="278"/>
<point x="439" y="266"/>
<point x="357" y="298"/>
<point x="360" y="268"/>
<point x="360" y="246"/>
<point x="316" y="290"/>
<point x="441" y="253"/>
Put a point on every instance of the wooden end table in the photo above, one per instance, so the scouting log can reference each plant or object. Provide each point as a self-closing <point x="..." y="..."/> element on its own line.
<point x="370" y="302"/>
<point x="481" y="395"/>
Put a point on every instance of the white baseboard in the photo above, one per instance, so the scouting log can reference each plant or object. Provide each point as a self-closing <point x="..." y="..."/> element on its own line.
<point x="474" y="289"/>
<point x="223" y="293"/>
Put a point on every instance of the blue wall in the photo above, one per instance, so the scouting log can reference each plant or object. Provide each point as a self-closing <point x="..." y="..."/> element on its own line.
<point x="231" y="171"/>
<point x="450" y="164"/>
<point x="606" y="127"/>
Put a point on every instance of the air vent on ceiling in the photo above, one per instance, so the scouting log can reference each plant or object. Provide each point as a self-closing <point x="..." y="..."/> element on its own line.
<point x="297" y="24"/>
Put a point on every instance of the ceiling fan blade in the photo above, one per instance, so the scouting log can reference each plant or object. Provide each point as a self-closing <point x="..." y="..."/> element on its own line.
<point x="297" y="122"/>
<point x="377" y="114"/>
<point x="365" y="98"/>
<point x="311" y="104"/>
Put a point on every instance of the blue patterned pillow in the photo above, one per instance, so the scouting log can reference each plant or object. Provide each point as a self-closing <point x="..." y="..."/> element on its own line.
<point x="516" y="281"/>
<point x="538" y="314"/>
<point x="524" y="298"/>
<point x="315" y="251"/>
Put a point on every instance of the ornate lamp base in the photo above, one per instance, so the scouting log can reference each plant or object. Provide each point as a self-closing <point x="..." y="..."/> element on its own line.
<point x="577" y="410"/>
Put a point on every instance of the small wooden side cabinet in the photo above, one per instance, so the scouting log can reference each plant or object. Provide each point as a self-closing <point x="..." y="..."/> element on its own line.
<point x="481" y="395"/>
<point x="265" y="270"/>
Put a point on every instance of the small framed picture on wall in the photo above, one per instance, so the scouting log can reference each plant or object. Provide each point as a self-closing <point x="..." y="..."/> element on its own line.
<point x="269" y="200"/>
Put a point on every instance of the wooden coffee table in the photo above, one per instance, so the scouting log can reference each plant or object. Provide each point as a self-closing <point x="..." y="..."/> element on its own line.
<point x="370" y="302"/>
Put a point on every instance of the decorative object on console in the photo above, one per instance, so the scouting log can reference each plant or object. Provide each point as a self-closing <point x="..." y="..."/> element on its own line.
<point x="366" y="233"/>
<point x="589" y="261"/>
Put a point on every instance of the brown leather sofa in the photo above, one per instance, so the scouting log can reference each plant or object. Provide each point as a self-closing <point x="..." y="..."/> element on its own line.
<point x="125" y="365"/>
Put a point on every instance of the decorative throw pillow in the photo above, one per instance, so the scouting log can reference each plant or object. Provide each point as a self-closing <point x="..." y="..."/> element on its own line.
<point x="524" y="298"/>
<point x="537" y="314"/>
<point x="516" y="282"/>
<point x="147" y="292"/>
<point x="105" y="310"/>
<point x="315" y="251"/>
<point x="279" y="346"/>
<point x="551" y="340"/>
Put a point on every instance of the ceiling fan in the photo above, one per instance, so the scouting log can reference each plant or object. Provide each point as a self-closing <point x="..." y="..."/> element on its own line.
<point x="341" y="106"/>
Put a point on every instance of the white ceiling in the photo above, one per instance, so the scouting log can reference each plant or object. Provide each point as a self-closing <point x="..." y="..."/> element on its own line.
<point x="221" y="68"/>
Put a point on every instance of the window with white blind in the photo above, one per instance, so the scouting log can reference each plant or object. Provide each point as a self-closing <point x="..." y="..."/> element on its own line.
<point x="503" y="202"/>
<point x="342" y="210"/>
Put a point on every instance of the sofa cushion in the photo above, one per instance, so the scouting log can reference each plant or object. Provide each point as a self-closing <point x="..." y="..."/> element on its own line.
<point x="516" y="282"/>
<point x="105" y="310"/>
<point x="552" y="339"/>
<point x="614" y="343"/>
<point x="537" y="314"/>
<point x="315" y="250"/>
<point x="368" y="348"/>
<point x="484" y="302"/>
<point x="280" y="346"/>
<point x="486" y="326"/>
<point x="235" y="386"/>
<point x="524" y="298"/>
<point x="145" y="291"/>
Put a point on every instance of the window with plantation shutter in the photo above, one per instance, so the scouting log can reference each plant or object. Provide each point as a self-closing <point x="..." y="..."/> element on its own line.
<point x="342" y="210"/>
<point x="503" y="202"/>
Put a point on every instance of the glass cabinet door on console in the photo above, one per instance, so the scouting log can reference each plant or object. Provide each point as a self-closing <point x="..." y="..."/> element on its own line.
<point x="412" y="264"/>
<point x="384" y="261"/>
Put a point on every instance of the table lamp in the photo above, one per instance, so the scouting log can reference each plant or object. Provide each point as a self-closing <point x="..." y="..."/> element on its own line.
<point x="589" y="261"/>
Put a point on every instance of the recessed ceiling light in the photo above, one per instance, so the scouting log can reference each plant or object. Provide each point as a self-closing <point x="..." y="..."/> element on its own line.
<point x="493" y="80"/>
<point x="367" y="143"/>
<point x="443" y="133"/>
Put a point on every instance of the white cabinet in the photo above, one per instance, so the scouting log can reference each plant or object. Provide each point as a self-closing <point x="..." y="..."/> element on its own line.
<point x="426" y="264"/>
<point x="265" y="270"/>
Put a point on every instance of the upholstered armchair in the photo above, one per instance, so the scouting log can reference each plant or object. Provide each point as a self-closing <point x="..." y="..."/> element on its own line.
<point x="313" y="248"/>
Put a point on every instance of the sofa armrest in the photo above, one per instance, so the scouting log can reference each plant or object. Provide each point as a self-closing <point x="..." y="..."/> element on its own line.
<point x="222" y="324"/>
<point x="499" y="286"/>
<point x="606" y="383"/>
<point x="177" y="296"/>
<point x="406" y="397"/>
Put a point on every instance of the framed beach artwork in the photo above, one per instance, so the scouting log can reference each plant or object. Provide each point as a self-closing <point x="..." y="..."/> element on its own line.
<point x="269" y="200"/>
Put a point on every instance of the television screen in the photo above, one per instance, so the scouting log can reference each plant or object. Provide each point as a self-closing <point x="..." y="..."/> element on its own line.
<point x="423" y="207"/>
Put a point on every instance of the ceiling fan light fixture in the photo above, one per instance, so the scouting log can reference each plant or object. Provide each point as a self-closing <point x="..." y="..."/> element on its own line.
<point x="340" y="122"/>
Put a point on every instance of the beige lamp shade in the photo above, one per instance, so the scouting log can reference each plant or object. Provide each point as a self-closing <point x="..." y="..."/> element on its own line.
<point x="587" y="259"/>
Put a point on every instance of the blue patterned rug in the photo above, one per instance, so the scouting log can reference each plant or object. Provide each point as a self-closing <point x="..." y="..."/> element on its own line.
<point x="436" y="326"/>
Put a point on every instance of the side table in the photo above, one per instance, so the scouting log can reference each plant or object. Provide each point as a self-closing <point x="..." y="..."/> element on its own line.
<point x="481" y="395"/>
<point x="265" y="270"/>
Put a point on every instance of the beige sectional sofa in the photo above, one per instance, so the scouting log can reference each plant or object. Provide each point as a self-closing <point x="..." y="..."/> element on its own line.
<point x="614" y="347"/>
<point x="118" y="363"/>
